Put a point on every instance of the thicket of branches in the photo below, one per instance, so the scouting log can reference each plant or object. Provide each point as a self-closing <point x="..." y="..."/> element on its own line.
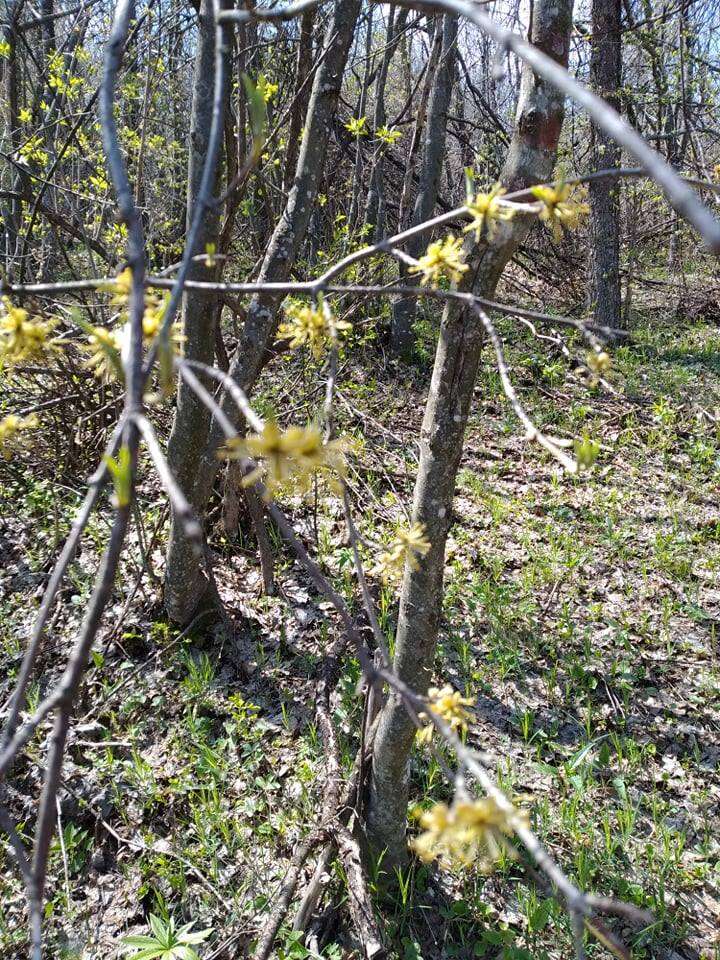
<point x="189" y="193"/>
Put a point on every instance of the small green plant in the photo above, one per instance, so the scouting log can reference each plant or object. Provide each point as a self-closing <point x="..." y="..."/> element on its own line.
<point x="166" y="943"/>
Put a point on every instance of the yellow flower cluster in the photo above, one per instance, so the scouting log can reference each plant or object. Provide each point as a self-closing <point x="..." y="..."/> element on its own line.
<point x="443" y="258"/>
<point x="21" y="336"/>
<point x="11" y="428"/>
<point x="293" y="455"/>
<point x="409" y="545"/>
<point x="105" y="349"/>
<point x="558" y="209"/>
<point x="450" y="705"/>
<point x="314" y="326"/>
<point x="155" y="306"/>
<point x="108" y="347"/>
<point x="120" y="288"/>
<point x="468" y="832"/>
<point x="486" y="210"/>
<point x="266" y="89"/>
<point x="599" y="363"/>
<point x="357" y="126"/>
<point x="388" y="135"/>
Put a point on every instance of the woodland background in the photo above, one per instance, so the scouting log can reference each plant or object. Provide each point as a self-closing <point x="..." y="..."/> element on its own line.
<point x="197" y="766"/>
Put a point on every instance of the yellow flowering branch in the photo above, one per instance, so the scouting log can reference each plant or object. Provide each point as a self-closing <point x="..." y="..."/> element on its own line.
<point x="467" y="833"/>
<point x="295" y="455"/>
<point x="448" y="704"/>
<point x="408" y="546"/>
<point x="486" y="210"/>
<point x="316" y="327"/>
<point x="443" y="258"/>
<point x="23" y="337"/>
<point x="11" y="430"/>
<point x="558" y="209"/>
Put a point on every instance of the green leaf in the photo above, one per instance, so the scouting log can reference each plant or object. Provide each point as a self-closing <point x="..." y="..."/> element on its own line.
<point x="586" y="452"/>
<point x="160" y="929"/>
<point x="582" y="754"/>
<point x="183" y="952"/>
<point x="140" y="940"/>
<point x="469" y="184"/>
<point x="257" y="110"/>
<point x="121" y="473"/>
<point x="538" y="919"/>
<point x="150" y="953"/>
<point x="197" y="937"/>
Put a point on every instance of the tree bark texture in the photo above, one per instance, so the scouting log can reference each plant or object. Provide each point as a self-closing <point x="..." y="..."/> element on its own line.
<point x="186" y="583"/>
<point x="402" y="338"/>
<point x="375" y="203"/>
<point x="192" y="418"/>
<point x="530" y="159"/>
<point x="606" y="77"/>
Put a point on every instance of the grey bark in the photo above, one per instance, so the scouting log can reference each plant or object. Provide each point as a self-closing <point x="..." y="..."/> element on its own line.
<point x="420" y="114"/>
<point x="300" y="97"/>
<point x="192" y="419"/>
<point x="531" y="157"/>
<point x="375" y="203"/>
<point x="604" y="295"/>
<point x="357" y="171"/>
<point x="12" y="213"/>
<point x="402" y="339"/>
<point x="186" y="583"/>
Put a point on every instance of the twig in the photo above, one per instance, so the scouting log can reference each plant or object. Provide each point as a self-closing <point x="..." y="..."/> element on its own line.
<point x="272" y="925"/>
<point x="532" y="432"/>
<point x="182" y="509"/>
<point x="359" y="900"/>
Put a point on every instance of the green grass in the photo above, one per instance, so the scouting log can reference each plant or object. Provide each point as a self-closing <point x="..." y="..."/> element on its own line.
<point x="581" y="612"/>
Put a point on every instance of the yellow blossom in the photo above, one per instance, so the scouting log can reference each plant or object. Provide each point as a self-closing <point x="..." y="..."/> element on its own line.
<point x="22" y="337"/>
<point x="153" y="317"/>
<point x="599" y="362"/>
<point x="388" y="135"/>
<point x="120" y="287"/>
<point x="313" y="326"/>
<point x="449" y="705"/>
<point x="466" y="833"/>
<point x="486" y="210"/>
<point x="10" y="429"/>
<point x="558" y="210"/>
<point x="296" y="454"/>
<point x="357" y="126"/>
<point x="105" y="348"/>
<point x="443" y="258"/>
<point x="265" y="88"/>
<point x="409" y="545"/>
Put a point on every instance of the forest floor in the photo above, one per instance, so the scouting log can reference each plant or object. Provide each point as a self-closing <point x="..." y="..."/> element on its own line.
<point x="581" y="616"/>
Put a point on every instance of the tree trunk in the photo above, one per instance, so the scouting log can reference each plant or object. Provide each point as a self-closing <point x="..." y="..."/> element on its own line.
<point x="403" y="219"/>
<point x="362" y="101"/>
<point x="530" y="159"/>
<point x="606" y="77"/>
<point x="375" y="203"/>
<point x="16" y="183"/>
<point x="186" y="583"/>
<point x="402" y="338"/>
<point x="300" y="97"/>
<point x="192" y="418"/>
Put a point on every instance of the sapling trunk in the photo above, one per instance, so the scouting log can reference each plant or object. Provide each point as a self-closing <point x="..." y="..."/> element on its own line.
<point x="530" y="159"/>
